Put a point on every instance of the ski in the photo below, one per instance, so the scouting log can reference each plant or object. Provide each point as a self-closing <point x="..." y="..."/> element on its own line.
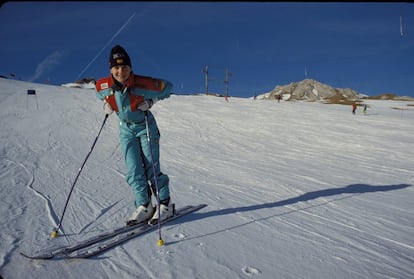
<point x="121" y="238"/>
<point x="66" y="250"/>
<point x="52" y="252"/>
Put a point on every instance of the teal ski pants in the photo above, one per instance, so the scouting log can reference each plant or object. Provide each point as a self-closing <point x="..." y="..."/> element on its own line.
<point x="137" y="157"/>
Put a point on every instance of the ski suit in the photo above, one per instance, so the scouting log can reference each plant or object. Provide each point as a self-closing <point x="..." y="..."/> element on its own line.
<point x="132" y="131"/>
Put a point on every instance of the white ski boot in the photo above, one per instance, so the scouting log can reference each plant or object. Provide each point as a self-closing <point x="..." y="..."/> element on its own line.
<point x="141" y="214"/>
<point x="166" y="211"/>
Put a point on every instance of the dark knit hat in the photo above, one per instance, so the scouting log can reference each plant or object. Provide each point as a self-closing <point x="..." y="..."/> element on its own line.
<point x="119" y="57"/>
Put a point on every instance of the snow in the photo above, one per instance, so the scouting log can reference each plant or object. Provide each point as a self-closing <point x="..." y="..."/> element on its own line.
<point x="294" y="189"/>
<point x="89" y="85"/>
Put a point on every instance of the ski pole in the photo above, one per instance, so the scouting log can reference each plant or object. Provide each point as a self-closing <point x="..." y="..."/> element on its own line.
<point x="160" y="241"/>
<point x="55" y="232"/>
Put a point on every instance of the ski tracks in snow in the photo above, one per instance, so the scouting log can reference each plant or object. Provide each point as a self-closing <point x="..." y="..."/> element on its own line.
<point x="29" y="182"/>
<point x="11" y="176"/>
<point x="14" y="174"/>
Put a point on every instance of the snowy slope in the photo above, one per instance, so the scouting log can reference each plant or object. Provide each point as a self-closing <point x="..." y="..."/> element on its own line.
<point x="294" y="189"/>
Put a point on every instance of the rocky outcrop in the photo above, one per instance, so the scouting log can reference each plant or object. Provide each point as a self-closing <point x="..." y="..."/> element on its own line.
<point x="311" y="90"/>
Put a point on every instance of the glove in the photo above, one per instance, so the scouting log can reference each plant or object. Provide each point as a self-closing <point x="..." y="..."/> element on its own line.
<point x="107" y="108"/>
<point x="147" y="104"/>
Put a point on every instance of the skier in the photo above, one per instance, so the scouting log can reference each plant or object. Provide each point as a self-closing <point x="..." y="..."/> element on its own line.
<point x="354" y="107"/>
<point x="279" y="97"/>
<point x="131" y="97"/>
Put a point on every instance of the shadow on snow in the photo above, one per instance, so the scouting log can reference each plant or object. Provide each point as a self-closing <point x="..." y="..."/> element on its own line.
<point x="350" y="189"/>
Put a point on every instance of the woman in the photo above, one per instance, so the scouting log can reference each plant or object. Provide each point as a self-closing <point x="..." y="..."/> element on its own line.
<point x="131" y="96"/>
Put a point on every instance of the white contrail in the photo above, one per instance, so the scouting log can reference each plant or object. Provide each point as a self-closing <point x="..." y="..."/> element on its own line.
<point x="48" y="63"/>
<point x="110" y="41"/>
<point x="401" y="29"/>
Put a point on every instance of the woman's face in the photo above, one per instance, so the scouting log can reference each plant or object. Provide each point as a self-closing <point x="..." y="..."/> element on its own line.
<point x="121" y="73"/>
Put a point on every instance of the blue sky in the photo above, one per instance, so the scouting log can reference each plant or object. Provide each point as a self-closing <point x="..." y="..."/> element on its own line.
<point x="361" y="46"/>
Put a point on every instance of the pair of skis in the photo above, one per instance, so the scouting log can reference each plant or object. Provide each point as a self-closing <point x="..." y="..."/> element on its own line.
<point x="107" y="240"/>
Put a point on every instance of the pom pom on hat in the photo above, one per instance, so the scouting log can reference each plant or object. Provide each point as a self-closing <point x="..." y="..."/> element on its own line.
<point x="119" y="57"/>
